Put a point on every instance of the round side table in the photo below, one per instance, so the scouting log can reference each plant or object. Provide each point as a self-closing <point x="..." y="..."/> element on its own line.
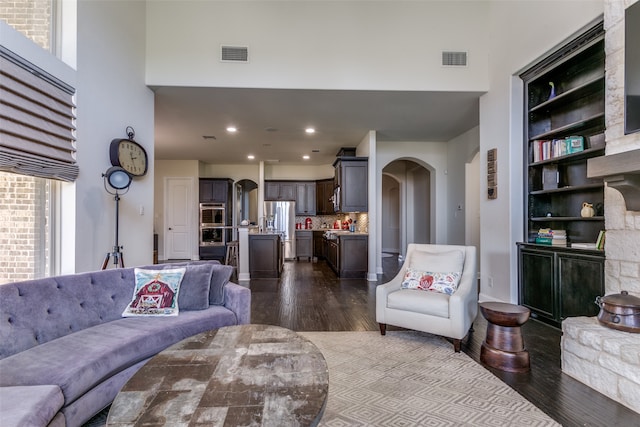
<point x="503" y="347"/>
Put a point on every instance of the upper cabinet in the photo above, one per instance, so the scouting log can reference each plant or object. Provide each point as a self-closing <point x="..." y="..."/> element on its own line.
<point x="279" y="190"/>
<point x="305" y="198"/>
<point x="324" y="194"/>
<point x="351" y="178"/>
<point x="214" y="190"/>
<point x="564" y="105"/>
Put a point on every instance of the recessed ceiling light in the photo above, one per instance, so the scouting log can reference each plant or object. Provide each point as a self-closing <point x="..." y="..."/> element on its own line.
<point x="310" y="130"/>
<point x="251" y="157"/>
<point x="232" y="129"/>
<point x="306" y="157"/>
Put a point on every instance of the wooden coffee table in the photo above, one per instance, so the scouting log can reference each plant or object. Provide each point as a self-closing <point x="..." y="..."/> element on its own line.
<point x="236" y="375"/>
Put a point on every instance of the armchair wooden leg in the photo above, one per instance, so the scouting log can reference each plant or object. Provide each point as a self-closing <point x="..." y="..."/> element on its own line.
<point x="383" y="328"/>
<point x="456" y="345"/>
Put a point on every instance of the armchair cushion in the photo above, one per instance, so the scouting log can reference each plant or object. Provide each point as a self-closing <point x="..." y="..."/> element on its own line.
<point x="431" y="303"/>
<point x="446" y="283"/>
<point x="440" y="262"/>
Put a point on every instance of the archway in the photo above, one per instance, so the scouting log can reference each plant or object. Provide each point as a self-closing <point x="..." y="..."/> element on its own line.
<point x="246" y="202"/>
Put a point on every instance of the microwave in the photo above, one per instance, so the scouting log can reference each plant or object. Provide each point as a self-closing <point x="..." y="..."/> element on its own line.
<point x="212" y="214"/>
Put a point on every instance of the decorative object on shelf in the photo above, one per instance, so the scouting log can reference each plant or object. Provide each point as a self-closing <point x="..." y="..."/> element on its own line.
<point x="492" y="169"/>
<point x="552" y="94"/>
<point x="587" y="210"/>
<point x="128" y="154"/>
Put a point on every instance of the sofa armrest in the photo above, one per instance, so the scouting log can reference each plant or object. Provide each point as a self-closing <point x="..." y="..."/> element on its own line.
<point x="238" y="299"/>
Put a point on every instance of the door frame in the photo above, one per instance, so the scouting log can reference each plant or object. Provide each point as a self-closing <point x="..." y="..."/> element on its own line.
<point x="193" y="238"/>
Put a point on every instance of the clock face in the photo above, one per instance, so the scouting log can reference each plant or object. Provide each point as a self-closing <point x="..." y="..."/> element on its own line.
<point x="129" y="155"/>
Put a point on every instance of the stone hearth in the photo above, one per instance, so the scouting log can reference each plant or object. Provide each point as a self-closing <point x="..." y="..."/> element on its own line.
<point x="605" y="359"/>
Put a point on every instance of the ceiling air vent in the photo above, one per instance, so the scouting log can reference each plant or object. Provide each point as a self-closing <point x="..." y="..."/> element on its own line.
<point x="234" y="54"/>
<point x="454" y="59"/>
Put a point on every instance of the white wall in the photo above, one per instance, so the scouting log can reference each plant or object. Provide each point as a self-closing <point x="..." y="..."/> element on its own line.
<point x="111" y="96"/>
<point x="461" y="150"/>
<point x="519" y="33"/>
<point x="318" y="44"/>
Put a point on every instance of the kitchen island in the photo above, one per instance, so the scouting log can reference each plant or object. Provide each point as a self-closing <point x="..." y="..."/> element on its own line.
<point x="266" y="255"/>
<point x="347" y="253"/>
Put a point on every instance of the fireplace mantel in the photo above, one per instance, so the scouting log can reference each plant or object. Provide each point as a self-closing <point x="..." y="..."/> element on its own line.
<point x="620" y="171"/>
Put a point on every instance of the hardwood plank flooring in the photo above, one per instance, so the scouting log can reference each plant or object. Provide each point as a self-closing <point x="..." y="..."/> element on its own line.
<point x="309" y="297"/>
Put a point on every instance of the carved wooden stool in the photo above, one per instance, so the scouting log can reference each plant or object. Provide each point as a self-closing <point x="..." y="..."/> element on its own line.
<point x="503" y="348"/>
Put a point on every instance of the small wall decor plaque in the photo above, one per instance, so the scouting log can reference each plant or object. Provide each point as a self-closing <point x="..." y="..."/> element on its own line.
<point x="492" y="170"/>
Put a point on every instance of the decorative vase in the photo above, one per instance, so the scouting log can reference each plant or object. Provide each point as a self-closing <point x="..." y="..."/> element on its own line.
<point x="587" y="210"/>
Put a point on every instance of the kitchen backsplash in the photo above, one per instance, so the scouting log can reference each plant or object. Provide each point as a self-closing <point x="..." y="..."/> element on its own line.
<point x="327" y="221"/>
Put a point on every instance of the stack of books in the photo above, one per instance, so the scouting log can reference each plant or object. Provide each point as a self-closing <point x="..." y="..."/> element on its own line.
<point x="550" y="149"/>
<point x="547" y="236"/>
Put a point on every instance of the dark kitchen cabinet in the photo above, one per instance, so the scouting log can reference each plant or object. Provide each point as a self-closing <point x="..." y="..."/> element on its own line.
<point x="333" y="251"/>
<point x="318" y="244"/>
<point x="265" y="256"/>
<point x="347" y="255"/>
<point x="214" y="190"/>
<point x="558" y="283"/>
<point x="324" y="193"/>
<point x="351" y="176"/>
<point x="305" y="198"/>
<point x="304" y="244"/>
<point x="279" y="190"/>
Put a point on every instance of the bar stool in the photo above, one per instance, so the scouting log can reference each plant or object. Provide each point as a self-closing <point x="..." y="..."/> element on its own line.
<point x="231" y="256"/>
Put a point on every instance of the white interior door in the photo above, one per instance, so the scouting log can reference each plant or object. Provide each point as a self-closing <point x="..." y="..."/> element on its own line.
<point x="179" y="224"/>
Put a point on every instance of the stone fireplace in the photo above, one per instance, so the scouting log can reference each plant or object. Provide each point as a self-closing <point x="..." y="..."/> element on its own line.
<point x="605" y="359"/>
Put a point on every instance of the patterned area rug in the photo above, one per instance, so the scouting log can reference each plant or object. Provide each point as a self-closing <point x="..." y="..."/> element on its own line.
<point x="414" y="379"/>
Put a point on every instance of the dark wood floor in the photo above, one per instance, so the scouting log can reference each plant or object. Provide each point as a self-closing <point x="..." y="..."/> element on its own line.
<point x="309" y="297"/>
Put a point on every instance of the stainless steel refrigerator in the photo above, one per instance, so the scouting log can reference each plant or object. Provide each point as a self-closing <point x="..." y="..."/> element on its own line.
<point x="281" y="217"/>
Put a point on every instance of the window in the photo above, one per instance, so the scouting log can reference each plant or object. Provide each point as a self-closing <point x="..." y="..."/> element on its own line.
<point x="26" y="202"/>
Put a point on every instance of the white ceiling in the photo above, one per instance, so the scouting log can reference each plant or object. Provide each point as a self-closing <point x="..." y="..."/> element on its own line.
<point x="271" y="122"/>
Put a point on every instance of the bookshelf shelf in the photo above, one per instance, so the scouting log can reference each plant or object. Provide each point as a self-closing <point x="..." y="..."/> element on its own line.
<point x="553" y="278"/>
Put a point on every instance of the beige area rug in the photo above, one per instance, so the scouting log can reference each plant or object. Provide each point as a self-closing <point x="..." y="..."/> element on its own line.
<point x="414" y="379"/>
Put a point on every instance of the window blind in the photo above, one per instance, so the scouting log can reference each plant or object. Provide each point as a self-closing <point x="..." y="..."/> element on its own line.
<point x="37" y="121"/>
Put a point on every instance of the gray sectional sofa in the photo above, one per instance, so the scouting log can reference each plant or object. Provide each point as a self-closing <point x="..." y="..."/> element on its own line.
<point x="66" y="350"/>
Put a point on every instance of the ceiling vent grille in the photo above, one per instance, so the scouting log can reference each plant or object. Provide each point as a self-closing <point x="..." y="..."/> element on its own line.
<point x="454" y="59"/>
<point x="234" y="54"/>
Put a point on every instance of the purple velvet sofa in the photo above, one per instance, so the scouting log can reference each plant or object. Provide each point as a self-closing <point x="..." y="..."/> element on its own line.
<point x="66" y="350"/>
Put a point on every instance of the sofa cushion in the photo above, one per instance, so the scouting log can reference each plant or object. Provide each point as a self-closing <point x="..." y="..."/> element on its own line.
<point x="220" y="277"/>
<point x="431" y="303"/>
<point x="155" y="293"/>
<point x="79" y="361"/>
<point x="439" y="262"/>
<point x="30" y="405"/>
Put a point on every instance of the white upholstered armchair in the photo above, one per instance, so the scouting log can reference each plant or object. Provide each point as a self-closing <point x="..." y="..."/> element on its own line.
<point x="428" y="310"/>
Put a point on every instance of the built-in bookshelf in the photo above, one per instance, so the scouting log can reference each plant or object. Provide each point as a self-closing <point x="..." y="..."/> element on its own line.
<point x="564" y="127"/>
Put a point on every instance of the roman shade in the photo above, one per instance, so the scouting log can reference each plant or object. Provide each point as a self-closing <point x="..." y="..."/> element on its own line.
<point x="37" y="121"/>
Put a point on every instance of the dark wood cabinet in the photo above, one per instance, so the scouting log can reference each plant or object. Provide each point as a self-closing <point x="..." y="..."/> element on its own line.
<point x="305" y="198"/>
<point x="279" y="190"/>
<point x="564" y="127"/>
<point x="318" y="244"/>
<point x="559" y="283"/>
<point x="214" y="190"/>
<point x="351" y="176"/>
<point x="265" y="256"/>
<point x="304" y="244"/>
<point x="347" y="255"/>
<point x="324" y="192"/>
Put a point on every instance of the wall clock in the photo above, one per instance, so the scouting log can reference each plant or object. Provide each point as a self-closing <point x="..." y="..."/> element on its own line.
<point x="129" y="155"/>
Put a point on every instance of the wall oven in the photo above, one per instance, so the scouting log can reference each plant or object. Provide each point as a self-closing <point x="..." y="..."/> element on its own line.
<point x="212" y="214"/>
<point x="212" y="222"/>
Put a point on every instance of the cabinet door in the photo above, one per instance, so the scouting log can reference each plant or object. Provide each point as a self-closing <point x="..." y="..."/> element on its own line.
<point x="219" y="191"/>
<point x="287" y="191"/>
<point x="537" y="284"/>
<point x="304" y="244"/>
<point x="205" y="191"/>
<point x="353" y="257"/>
<point x="306" y="198"/>
<point x="318" y="244"/>
<point x="271" y="190"/>
<point x="332" y="255"/>
<point x="581" y="280"/>
<point x="354" y="186"/>
<point x="264" y="256"/>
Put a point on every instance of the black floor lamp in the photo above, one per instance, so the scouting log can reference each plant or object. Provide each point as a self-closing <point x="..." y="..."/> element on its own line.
<point x="116" y="182"/>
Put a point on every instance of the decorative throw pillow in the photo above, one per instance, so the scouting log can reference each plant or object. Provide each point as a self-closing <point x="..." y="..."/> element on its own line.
<point x="155" y="293"/>
<point x="446" y="283"/>
<point x="416" y="279"/>
<point x="219" y="278"/>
